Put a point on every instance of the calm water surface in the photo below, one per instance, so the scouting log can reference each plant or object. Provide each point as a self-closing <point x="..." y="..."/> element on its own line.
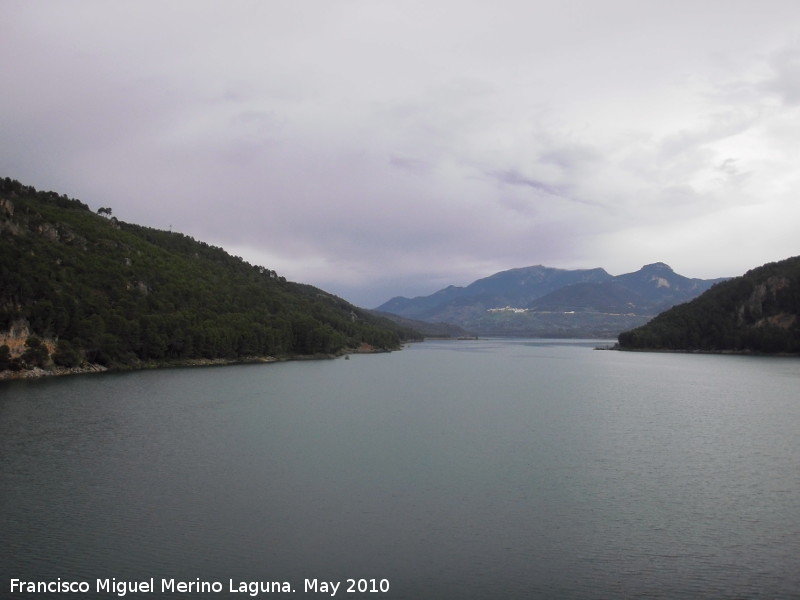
<point x="469" y="469"/>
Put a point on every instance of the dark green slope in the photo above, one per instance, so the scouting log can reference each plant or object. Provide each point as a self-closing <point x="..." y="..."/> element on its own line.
<point x="757" y="312"/>
<point x="120" y="295"/>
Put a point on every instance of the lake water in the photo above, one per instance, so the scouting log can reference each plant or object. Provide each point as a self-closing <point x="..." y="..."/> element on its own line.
<point x="461" y="469"/>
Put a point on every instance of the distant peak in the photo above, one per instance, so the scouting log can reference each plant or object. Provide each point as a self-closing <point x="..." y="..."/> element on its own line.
<point x="657" y="266"/>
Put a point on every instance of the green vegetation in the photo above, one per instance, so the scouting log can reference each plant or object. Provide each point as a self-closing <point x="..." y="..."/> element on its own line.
<point x="94" y="289"/>
<point x="757" y="312"/>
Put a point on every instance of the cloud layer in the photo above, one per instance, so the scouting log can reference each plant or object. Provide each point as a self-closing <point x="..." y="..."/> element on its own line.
<point x="380" y="148"/>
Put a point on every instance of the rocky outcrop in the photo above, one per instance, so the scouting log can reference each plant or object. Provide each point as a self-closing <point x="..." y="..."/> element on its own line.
<point x="754" y="308"/>
<point x="6" y="208"/>
<point x="757" y="312"/>
<point x="7" y="225"/>
<point x="15" y="337"/>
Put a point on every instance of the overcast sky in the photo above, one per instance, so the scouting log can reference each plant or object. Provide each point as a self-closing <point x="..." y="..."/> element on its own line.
<point x="377" y="148"/>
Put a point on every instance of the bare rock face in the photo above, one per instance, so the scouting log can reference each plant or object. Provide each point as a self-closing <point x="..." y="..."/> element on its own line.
<point x="49" y="231"/>
<point x="755" y="307"/>
<point x="7" y="225"/>
<point x="6" y="208"/>
<point x="15" y="337"/>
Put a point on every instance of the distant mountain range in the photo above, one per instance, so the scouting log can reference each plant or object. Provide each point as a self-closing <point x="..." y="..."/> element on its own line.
<point x="757" y="312"/>
<point x="550" y="302"/>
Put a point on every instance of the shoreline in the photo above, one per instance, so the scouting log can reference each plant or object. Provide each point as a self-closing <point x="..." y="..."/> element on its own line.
<point x="39" y="373"/>
<point x="618" y="348"/>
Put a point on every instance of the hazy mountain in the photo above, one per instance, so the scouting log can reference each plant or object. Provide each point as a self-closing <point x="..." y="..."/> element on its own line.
<point x="515" y="287"/>
<point x="554" y="302"/>
<point x="648" y="291"/>
<point x="759" y="312"/>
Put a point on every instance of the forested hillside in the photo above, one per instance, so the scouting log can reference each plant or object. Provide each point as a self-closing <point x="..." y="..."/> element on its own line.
<point x="83" y="287"/>
<point x="757" y="312"/>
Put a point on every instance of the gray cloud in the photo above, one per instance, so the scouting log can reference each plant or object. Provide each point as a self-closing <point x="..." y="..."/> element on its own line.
<point x="414" y="165"/>
<point x="513" y="177"/>
<point x="377" y="149"/>
<point x="785" y="79"/>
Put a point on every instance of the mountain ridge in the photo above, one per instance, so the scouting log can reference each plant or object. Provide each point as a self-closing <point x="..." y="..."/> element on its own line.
<point x="548" y="301"/>
<point x="755" y="312"/>
<point x="496" y="288"/>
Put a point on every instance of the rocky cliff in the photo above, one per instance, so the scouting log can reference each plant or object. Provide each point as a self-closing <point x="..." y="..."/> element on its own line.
<point x="757" y="312"/>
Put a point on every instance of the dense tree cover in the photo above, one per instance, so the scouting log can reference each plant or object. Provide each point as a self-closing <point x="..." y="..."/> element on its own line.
<point x="757" y="312"/>
<point x="118" y="294"/>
